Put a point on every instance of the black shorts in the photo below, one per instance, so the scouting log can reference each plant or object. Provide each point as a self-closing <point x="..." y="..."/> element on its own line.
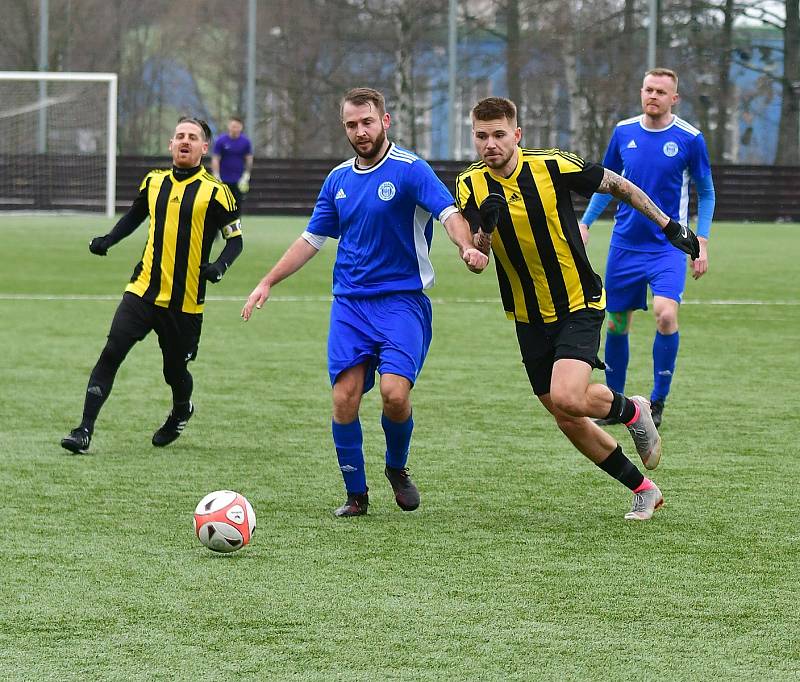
<point x="576" y="338"/>
<point x="178" y="332"/>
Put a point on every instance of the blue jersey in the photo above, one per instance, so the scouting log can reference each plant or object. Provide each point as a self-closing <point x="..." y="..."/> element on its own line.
<point x="383" y="218"/>
<point x="660" y="162"/>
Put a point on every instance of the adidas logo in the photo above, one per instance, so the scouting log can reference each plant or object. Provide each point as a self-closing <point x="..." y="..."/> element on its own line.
<point x="347" y="468"/>
<point x="514" y="197"/>
<point x="665" y="373"/>
<point x="340" y="194"/>
<point x="174" y="199"/>
<point x="632" y="144"/>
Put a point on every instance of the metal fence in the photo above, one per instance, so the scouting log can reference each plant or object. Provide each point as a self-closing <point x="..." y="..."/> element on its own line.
<point x="290" y="187"/>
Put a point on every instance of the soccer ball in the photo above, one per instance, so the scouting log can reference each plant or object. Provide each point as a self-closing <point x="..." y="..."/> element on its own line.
<point x="224" y="521"/>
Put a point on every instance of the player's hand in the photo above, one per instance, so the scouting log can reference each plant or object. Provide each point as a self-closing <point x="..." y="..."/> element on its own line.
<point x="490" y="211"/>
<point x="244" y="183"/>
<point x="256" y="299"/>
<point x="99" y="246"/>
<point x="700" y="264"/>
<point x="212" y="272"/>
<point x="482" y="241"/>
<point x="476" y="260"/>
<point x="584" y="228"/>
<point x="682" y="238"/>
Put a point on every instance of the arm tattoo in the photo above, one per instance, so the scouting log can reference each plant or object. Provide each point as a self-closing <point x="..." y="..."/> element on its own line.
<point x="624" y="190"/>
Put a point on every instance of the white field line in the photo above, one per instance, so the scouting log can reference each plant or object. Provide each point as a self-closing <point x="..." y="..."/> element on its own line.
<point x="327" y="299"/>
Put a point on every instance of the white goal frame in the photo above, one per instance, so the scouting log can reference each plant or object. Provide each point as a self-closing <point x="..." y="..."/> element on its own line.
<point x="111" y="80"/>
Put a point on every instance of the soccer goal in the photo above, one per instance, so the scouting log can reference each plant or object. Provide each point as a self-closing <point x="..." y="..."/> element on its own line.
<point x="58" y="141"/>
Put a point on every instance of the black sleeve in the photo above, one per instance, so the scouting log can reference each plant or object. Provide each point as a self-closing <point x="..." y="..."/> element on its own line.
<point x="131" y="220"/>
<point x="470" y="210"/>
<point x="233" y="247"/>
<point x="472" y="214"/>
<point x="586" y="181"/>
<point x="220" y="216"/>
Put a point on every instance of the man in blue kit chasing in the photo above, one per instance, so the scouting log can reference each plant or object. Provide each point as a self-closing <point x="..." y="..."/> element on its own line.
<point x="659" y="152"/>
<point x="380" y="205"/>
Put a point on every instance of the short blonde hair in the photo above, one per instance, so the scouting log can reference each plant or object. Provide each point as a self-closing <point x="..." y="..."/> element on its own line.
<point x="669" y="73"/>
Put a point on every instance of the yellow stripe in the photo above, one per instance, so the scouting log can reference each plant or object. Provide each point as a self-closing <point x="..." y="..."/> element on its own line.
<point x="566" y="263"/>
<point x="499" y="250"/>
<point x="195" y="249"/>
<point x="139" y="287"/>
<point x="530" y="253"/>
<point x="520" y="219"/>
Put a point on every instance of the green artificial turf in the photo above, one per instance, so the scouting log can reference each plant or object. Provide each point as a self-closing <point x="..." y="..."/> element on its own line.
<point x="518" y="564"/>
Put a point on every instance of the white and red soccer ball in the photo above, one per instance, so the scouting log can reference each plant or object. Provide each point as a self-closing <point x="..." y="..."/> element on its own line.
<point x="224" y="521"/>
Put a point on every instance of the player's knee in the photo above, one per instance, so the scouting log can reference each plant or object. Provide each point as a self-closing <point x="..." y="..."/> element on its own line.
<point x="176" y="374"/>
<point x="569" y="425"/>
<point x="396" y="405"/>
<point x="567" y="403"/>
<point x="346" y="401"/>
<point x="618" y="323"/>
<point x="345" y="412"/>
<point x="113" y="353"/>
<point x="667" y="321"/>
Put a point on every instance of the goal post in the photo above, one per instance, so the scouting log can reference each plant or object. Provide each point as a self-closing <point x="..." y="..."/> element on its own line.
<point x="58" y="141"/>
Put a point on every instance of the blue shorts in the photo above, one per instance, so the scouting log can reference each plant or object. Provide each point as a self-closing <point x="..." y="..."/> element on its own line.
<point x="628" y="273"/>
<point x="392" y="333"/>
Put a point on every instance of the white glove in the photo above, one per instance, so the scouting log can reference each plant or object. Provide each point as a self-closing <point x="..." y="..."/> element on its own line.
<point x="244" y="183"/>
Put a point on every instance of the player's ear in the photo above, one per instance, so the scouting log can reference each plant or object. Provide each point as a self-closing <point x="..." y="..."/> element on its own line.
<point x="387" y="121"/>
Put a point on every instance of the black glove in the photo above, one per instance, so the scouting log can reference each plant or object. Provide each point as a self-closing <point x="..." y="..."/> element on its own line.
<point x="212" y="272"/>
<point x="682" y="238"/>
<point x="490" y="211"/>
<point x="99" y="246"/>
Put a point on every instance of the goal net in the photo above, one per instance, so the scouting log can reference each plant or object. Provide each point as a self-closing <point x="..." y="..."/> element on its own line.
<point x="58" y="141"/>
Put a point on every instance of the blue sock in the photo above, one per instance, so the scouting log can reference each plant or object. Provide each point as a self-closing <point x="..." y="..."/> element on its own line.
<point x="665" y="355"/>
<point x="348" y="440"/>
<point x="398" y="440"/>
<point x="616" y="359"/>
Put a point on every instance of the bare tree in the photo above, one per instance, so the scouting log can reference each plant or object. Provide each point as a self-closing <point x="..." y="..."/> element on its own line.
<point x="719" y="141"/>
<point x="788" y="146"/>
<point x="788" y="134"/>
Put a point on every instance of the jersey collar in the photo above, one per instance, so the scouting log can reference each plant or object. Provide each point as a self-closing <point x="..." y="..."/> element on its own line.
<point x="356" y="169"/>
<point x="657" y="130"/>
<point x="514" y="173"/>
<point x="182" y="174"/>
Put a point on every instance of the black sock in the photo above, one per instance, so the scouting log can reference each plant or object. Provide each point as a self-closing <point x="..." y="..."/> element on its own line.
<point x="621" y="468"/>
<point x="181" y="410"/>
<point x="181" y="382"/>
<point x="96" y="395"/>
<point x="101" y="380"/>
<point x="622" y="409"/>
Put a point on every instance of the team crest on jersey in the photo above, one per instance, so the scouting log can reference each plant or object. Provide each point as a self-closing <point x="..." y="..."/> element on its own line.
<point x="386" y="191"/>
<point x="670" y="149"/>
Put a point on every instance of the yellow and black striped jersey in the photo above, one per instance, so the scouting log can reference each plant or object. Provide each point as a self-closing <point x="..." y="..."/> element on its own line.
<point x="185" y="215"/>
<point x="541" y="263"/>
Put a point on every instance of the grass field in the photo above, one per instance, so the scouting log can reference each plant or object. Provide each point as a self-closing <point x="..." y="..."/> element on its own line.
<point x="517" y="566"/>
